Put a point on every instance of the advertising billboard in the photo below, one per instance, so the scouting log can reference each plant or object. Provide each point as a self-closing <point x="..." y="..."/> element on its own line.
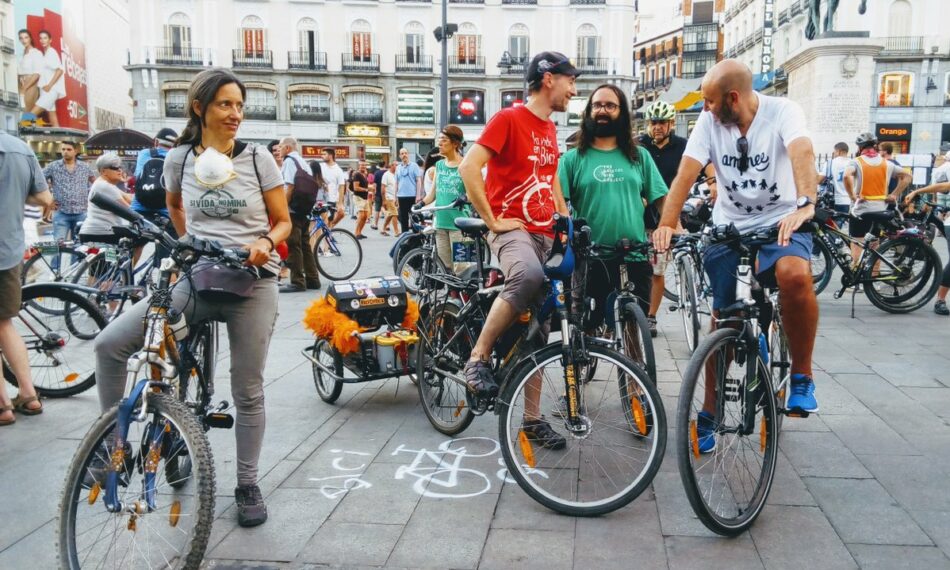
<point x="51" y="64"/>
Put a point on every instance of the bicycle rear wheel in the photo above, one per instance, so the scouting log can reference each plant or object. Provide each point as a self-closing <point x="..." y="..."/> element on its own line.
<point x="162" y="523"/>
<point x="689" y="310"/>
<point x="338" y="254"/>
<point x="602" y="468"/>
<point x="443" y="399"/>
<point x="50" y="263"/>
<point x="907" y="278"/>
<point x="728" y="482"/>
<point x="821" y="265"/>
<point x="62" y="364"/>
<point x="412" y="267"/>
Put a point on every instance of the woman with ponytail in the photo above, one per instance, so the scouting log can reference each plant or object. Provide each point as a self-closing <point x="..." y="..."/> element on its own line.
<point x="223" y="189"/>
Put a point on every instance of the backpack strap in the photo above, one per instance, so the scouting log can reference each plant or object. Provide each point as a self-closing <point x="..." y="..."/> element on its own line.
<point x="153" y="152"/>
<point x="191" y="150"/>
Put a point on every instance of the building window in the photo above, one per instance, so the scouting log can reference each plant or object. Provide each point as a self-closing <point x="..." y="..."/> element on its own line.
<point x="468" y="44"/>
<point x="696" y="66"/>
<point x="253" y="37"/>
<point x="261" y="104"/>
<point x="175" y="101"/>
<point x="415" y="105"/>
<point x="899" y="19"/>
<point x="512" y="99"/>
<point x="673" y="69"/>
<point x="702" y="38"/>
<point x="518" y="45"/>
<point x="896" y="90"/>
<point x="588" y="45"/>
<point x="361" y="40"/>
<point x="415" y="36"/>
<point x="310" y="106"/>
<point x="467" y="106"/>
<point x="178" y="33"/>
<point x="307" y="38"/>
<point x="363" y="106"/>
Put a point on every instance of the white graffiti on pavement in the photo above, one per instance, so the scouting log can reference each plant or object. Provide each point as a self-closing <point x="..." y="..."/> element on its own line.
<point x="350" y="481"/>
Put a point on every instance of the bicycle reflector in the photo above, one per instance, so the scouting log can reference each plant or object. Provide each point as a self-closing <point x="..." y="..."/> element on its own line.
<point x="694" y="439"/>
<point x="526" y="449"/>
<point x="639" y="418"/>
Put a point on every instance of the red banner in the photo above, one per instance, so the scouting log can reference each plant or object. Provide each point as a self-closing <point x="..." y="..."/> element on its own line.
<point x="60" y="45"/>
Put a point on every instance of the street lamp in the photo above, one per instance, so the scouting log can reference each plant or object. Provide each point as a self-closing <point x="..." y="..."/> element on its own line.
<point x="442" y="35"/>
<point x="508" y="61"/>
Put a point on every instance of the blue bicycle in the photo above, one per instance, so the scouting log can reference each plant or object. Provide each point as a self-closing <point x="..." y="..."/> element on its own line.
<point x="337" y="251"/>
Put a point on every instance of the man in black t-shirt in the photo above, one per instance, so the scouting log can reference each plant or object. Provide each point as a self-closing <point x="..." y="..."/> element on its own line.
<point x="361" y="198"/>
<point x="667" y="149"/>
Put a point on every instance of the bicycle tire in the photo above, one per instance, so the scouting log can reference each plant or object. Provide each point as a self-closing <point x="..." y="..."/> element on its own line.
<point x="819" y="251"/>
<point x="183" y="423"/>
<point x="636" y="320"/>
<point x="68" y="252"/>
<point x="669" y="282"/>
<point x="780" y="365"/>
<point x="437" y="393"/>
<point x="340" y="237"/>
<point x="687" y="447"/>
<point x="900" y="304"/>
<point x="653" y="443"/>
<point x="687" y="301"/>
<point x="73" y="382"/>
<point x="329" y="389"/>
<point x="412" y="267"/>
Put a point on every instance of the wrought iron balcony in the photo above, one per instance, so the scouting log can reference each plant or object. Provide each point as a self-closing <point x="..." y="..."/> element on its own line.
<point x="261" y="112"/>
<point x="178" y="55"/>
<point x="593" y="65"/>
<point x="413" y="64"/>
<point x="466" y="1"/>
<point x="176" y="110"/>
<point x="307" y="60"/>
<point x="11" y="99"/>
<point x="467" y="65"/>
<point x="256" y="59"/>
<point x="364" y="63"/>
<point x="363" y="114"/>
<point x="700" y="47"/>
<point x="582" y="2"/>
<point x="522" y="2"/>
<point x="310" y="113"/>
<point x="7" y="45"/>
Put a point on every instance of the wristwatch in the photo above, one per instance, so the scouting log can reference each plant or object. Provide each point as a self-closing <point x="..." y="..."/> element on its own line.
<point x="804" y="201"/>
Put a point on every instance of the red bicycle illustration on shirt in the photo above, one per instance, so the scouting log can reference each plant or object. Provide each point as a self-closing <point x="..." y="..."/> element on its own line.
<point x="535" y="197"/>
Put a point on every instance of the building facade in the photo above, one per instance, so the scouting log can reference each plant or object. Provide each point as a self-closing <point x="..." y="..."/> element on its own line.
<point x="368" y="70"/>
<point x="107" y="44"/>
<point x="9" y="86"/>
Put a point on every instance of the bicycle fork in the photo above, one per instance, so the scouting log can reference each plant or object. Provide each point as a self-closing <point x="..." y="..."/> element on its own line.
<point x="576" y="423"/>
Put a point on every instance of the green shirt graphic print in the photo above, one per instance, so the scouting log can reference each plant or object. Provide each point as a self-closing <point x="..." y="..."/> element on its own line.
<point x="448" y="188"/>
<point x="607" y="191"/>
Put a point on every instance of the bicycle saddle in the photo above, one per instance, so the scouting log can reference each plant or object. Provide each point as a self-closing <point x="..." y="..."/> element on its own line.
<point x="879" y="217"/>
<point x="473" y="227"/>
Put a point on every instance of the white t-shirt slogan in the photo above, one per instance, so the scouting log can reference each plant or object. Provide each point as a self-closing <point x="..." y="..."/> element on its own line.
<point x="765" y="193"/>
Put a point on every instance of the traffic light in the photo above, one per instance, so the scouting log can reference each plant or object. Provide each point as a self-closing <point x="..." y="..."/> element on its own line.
<point x="450" y="30"/>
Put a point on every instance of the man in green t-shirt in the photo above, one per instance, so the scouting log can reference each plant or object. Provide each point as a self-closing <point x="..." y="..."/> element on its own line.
<point x="609" y="180"/>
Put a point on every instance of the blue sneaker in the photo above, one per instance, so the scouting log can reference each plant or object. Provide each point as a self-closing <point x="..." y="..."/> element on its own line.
<point x="706" y="432"/>
<point x="801" y="394"/>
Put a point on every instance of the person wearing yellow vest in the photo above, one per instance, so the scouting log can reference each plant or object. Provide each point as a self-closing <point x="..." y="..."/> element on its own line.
<point x="866" y="180"/>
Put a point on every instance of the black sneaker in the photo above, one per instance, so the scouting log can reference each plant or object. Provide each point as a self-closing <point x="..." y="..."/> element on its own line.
<point x="652" y="322"/>
<point x="540" y="431"/>
<point x="940" y="307"/>
<point x="250" y="503"/>
<point x="480" y="379"/>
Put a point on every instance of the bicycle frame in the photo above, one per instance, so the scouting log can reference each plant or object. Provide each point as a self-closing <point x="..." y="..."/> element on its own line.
<point x="855" y="273"/>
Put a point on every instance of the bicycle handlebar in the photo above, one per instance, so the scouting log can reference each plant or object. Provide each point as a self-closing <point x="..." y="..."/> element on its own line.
<point x="458" y="203"/>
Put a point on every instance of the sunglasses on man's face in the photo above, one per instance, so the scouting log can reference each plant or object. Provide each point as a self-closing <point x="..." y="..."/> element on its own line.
<point x="742" y="145"/>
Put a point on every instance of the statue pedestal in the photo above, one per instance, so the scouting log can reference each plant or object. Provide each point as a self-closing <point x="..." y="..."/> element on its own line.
<point x="832" y="78"/>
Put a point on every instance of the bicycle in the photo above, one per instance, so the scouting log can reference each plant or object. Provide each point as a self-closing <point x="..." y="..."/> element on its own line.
<point x="894" y="276"/>
<point x="62" y="363"/>
<point x="609" y="406"/>
<point x="52" y="262"/>
<point x="735" y="385"/>
<point x="625" y="321"/>
<point x="155" y="434"/>
<point x="693" y="288"/>
<point x="337" y="252"/>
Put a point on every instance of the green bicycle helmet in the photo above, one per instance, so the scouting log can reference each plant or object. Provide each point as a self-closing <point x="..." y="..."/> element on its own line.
<point x="660" y="111"/>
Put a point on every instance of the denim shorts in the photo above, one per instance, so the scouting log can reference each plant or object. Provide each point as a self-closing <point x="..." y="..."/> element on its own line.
<point x="721" y="262"/>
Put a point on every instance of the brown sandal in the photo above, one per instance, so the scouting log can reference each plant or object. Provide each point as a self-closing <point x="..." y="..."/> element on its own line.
<point x="7" y="409"/>
<point x="19" y="404"/>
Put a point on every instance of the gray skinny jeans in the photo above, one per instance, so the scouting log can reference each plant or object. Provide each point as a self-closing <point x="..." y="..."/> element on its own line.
<point x="250" y="324"/>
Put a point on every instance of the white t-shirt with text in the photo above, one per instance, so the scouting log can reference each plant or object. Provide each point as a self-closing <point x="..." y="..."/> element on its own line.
<point x="765" y="193"/>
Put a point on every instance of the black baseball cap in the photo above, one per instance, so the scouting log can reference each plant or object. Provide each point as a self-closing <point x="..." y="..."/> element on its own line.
<point x="166" y="137"/>
<point x="550" y="62"/>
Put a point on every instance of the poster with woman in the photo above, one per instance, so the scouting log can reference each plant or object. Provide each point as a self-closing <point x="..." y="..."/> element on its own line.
<point x="51" y="66"/>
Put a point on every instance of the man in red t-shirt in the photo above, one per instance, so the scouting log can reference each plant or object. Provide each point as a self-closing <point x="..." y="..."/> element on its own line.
<point x="518" y="201"/>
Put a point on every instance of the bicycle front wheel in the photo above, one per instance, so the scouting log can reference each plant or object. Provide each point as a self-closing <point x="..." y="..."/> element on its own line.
<point x="61" y="363"/>
<point x="162" y="523"/>
<point x="689" y="310"/>
<point x="821" y="265"/>
<point x="905" y="277"/>
<point x="338" y="254"/>
<point x="726" y="432"/>
<point x="411" y="269"/>
<point x="443" y="346"/>
<point x="603" y="463"/>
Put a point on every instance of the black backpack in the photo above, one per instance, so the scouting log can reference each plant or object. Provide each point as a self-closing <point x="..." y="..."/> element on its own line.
<point x="150" y="187"/>
<point x="305" y="191"/>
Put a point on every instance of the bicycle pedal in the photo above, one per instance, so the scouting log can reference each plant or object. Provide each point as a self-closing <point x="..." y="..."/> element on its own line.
<point x="219" y="420"/>
<point x="796" y="413"/>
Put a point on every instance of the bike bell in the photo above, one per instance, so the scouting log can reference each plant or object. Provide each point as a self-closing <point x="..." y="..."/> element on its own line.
<point x="213" y="169"/>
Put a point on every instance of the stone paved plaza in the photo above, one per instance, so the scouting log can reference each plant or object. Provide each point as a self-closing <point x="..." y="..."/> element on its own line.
<point x="865" y="483"/>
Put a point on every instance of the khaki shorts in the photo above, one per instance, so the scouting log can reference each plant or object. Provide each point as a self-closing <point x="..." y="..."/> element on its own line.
<point x="10" y="294"/>
<point x="521" y="256"/>
<point x="361" y="204"/>
<point x="390" y="208"/>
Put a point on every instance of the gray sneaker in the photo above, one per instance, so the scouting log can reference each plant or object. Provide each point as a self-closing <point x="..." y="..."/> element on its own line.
<point x="250" y="504"/>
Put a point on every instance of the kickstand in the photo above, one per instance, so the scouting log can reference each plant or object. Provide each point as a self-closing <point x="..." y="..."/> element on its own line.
<point x="854" y="292"/>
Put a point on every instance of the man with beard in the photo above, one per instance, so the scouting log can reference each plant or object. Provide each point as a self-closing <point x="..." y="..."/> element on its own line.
<point x="765" y="169"/>
<point x="519" y="146"/>
<point x="608" y="178"/>
<point x="666" y="148"/>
